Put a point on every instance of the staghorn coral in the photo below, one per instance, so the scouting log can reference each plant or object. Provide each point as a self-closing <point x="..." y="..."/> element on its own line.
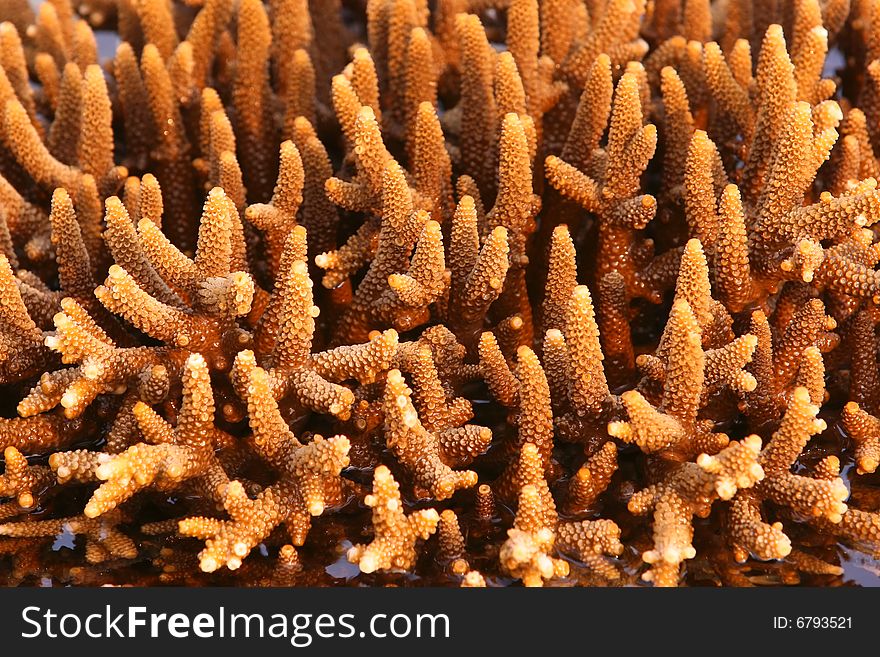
<point x="526" y="554"/>
<point x="421" y="451"/>
<point x="396" y="534"/>
<point x="589" y="290"/>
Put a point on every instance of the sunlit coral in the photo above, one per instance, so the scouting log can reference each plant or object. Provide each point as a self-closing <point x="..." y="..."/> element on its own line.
<point x="587" y="289"/>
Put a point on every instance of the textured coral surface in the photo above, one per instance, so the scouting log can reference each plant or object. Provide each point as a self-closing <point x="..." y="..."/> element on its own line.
<point x="439" y="292"/>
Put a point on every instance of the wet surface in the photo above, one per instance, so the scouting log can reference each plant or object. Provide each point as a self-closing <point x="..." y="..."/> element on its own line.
<point x="169" y="560"/>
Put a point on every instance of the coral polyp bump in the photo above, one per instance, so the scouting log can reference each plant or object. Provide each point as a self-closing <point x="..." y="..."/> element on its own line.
<point x="451" y="293"/>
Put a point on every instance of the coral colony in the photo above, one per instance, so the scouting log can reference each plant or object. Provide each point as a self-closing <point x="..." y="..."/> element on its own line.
<point x="447" y="292"/>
